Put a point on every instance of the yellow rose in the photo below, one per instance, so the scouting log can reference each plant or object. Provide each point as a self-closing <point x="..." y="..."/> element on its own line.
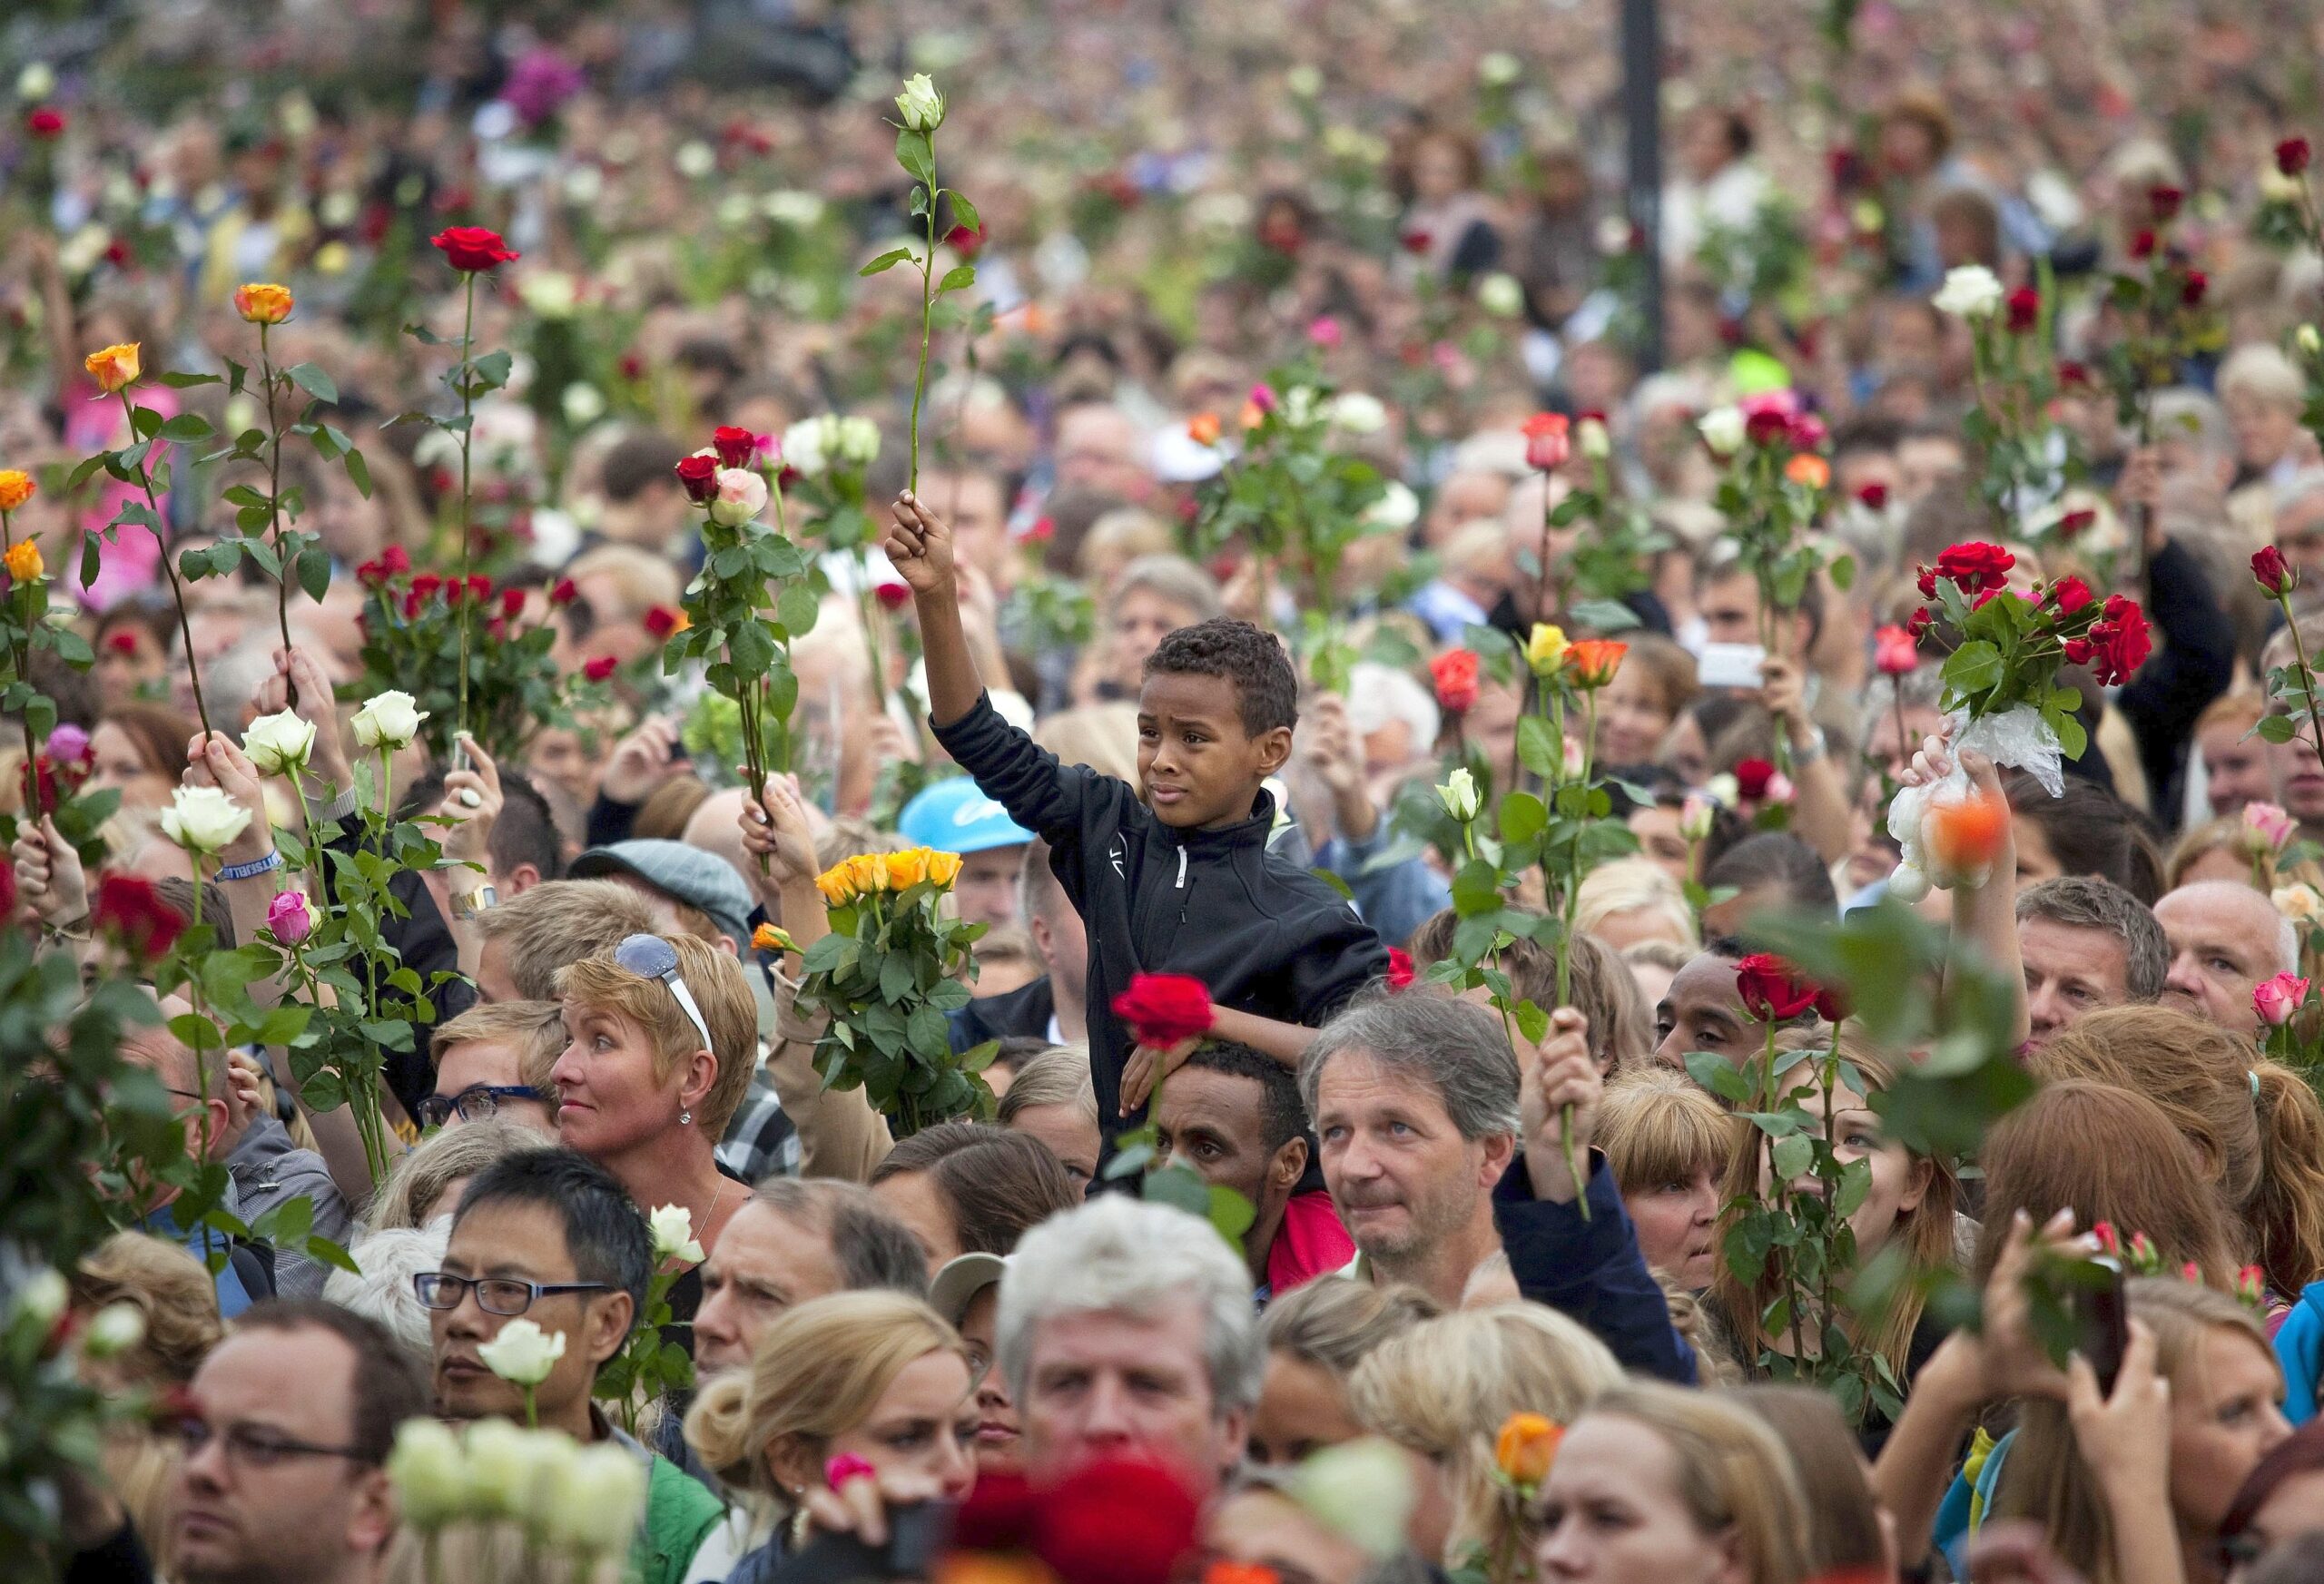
<point x="907" y="868"/>
<point x="772" y="938"/>
<point x="262" y="302"/>
<point x="16" y="487"/>
<point x="24" y="562"/>
<point x="943" y="868"/>
<point x="114" y="367"/>
<point x="868" y="871"/>
<point x="1545" y="649"/>
<point x="837" y="884"/>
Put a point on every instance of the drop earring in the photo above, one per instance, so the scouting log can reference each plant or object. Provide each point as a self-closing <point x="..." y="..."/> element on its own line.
<point x="684" y="1117"/>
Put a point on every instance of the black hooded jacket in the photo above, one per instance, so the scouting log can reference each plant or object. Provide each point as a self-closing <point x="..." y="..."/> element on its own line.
<point x="1261" y="933"/>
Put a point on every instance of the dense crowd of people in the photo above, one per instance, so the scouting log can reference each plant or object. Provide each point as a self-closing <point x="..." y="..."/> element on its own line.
<point x="1353" y="1271"/>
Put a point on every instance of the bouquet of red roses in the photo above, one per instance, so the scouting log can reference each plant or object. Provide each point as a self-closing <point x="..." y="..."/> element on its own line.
<point x="411" y="640"/>
<point x="2001" y="697"/>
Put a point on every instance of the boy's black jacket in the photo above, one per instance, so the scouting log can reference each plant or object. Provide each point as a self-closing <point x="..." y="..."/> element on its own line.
<point x="1261" y="933"/>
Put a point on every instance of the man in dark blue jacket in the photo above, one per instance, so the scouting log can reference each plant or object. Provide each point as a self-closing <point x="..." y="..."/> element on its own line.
<point x="1440" y="1149"/>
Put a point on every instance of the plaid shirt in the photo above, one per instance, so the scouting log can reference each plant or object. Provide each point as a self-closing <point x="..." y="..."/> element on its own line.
<point x="760" y="1142"/>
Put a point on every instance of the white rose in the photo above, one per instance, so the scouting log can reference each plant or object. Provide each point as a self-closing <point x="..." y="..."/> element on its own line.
<point x="1500" y="295"/>
<point x="1970" y="292"/>
<point x="117" y="1328"/>
<point x="391" y="720"/>
<point x="1722" y="429"/>
<point x="429" y="1473"/>
<point x="2302" y="904"/>
<point x="280" y="744"/>
<point x="500" y="1470"/>
<point x="583" y="403"/>
<point x="1459" y="795"/>
<point x="792" y="207"/>
<point x="43" y="1298"/>
<point x="1590" y="439"/>
<point x="1724" y="790"/>
<point x="583" y="186"/>
<point x="203" y="820"/>
<point x="859" y="440"/>
<point x="673" y="1226"/>
<point x="1397" y="508"/>
<point x="806" y="446"/>
<point x="523" y="1353"/>
<point x="37" y="81"/>
<point x="2307" y="340"/>
<point x="594" y="1501"/>
<point x="1299" y="405"/>
<point x="741" y="496"/>
<point x="550" y="293"/>
<point x="695" y="159"/>
<point x="920" y="106"/>
<point x="1362" y="1490"/>
<point x="2275" y="187"/>
<point x="735" y="209"/>
<point x="1359" y="413"/>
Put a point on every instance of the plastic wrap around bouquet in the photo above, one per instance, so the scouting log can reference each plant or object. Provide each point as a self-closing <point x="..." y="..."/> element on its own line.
<point x="2001" y="697"/>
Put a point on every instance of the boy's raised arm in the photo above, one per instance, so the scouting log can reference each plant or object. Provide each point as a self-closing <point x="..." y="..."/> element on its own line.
<point x="920" y="546"/>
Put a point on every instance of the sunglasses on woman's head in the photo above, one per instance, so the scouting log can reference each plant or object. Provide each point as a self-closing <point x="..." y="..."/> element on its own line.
<point x="650" y="957"/>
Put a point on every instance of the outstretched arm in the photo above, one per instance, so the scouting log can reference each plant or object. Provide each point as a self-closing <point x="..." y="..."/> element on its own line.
<point x="920" y="546"/>
<point x="1984" y="917"/>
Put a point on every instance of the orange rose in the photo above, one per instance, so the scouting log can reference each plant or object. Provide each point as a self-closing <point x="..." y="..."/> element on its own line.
<point x="838" y="885"/>
<point x="1809" y="469"/>
<point x="1965" y="837"/>
<point x="264" y="303"/>
<point x="16" y="487"/>
<point x="115" y="367"/>
<point x="867" y="871"/>
<point x="1203" y="428"/>
<point x="772" y="938"/>
<point x="943" y="868"/>
<point x="1595" y="661"/>
<point x="907" y="868"/>
<point x="23" y="561"/>
<point x="1527" y="1445"/>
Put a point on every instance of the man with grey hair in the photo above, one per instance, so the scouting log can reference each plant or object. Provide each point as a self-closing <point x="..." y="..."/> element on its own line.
<point x="794" y="1240"/>
<point x="2086" y="943"/>
<point x="2225" y="939"/>
<point x="1127" y="1328"/>
<point x="1440" y="1150"/>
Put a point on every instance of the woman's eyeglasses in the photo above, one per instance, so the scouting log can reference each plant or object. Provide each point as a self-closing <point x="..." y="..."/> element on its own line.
<point x="476" y="1102"/>
<point x="650" y="957"/>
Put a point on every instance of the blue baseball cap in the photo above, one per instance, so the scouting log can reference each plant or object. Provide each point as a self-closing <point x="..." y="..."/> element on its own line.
<point x="955" y="816"/>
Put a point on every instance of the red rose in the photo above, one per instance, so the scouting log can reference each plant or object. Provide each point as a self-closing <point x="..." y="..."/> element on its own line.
<point x="453" y="590"/>
<point x="1116" y="1521"/>
<point x="371" y="574"/>
<point x="1927" y="582"/>
<point x="1831" y="1006"/>
<point x="2291" y="155"/>
<point x="1548" y="441"/>
<point x="1975" y="566"/>
<point x="600" y="668"/>
<point x="1043" y="530"/>
<point x="2275" y="574"/>
<point x="2069" y="593"/>
<point x="2072" y="525"/>
<point x="735" y="448"/>
<point x="395" y="559"/>
<point x="480" y="586"/>
<point x="1416" y="242"/>
<point x="999" y="1515"/>
<point x="892" y="597"/>
<point x="426" y="584"/>
<point x="1894" y="651"/>
<point x="563" y="593"/>
<point x="1455" y="675"/>
<point x="2165" y="203"/>
<point x="1400" y="968"/>
<point x="512" y="603"/>
<point x="122" y="641"/>
<point x="473" y="249"/>
<point x="412" y="603"/>
<point x="2191" y="293"/>
<point x="2079" y="650"/>
<point x="1874" y="496"/>
<point x="965" y="241"/>
<point x="1163" y="1009"/>
<point x="1751" y="779"/>
<point x="1766" y="427"/>
<point x="2024" y="309"/>
<point x="2143" y="245"/>
<point x="1920" y="622"/>
<point x="44" y="123"/>
<point x="661" y="621"/>
<point x="2073" y="375"/>
<point x="698" y="476"/>
<point x="131" y="910"/>
<point x="1772" y="989"/>
<point x="2121" y="641"/>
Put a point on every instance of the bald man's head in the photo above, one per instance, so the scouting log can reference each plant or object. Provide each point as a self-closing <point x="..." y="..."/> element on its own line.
<point x="2225" y="939"/>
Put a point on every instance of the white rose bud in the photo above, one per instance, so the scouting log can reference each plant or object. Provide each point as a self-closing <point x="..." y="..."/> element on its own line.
<point x="43" y="1298"/>
<point x="1397" y="508"/>
<point x="673" y="1226"/>
<point x="920" y="106"/>
<point x="278" y="744"/>
<point x="1970" y="292"/>
<point x="741" y="496"/>
<point x="390" y="721"/>
<point x="1590" y="439"/>
<point x="1696" y="816"/>
<point x="596" y="1500"/>
<point x="500" y="1470"/>
<point x="117" y="1328"/>
<point x="806" y="446"/>
<point x="429" y="1473"/>
<point x="696" y="160"/>
<point x="1459" y="795"/>
<point x="1722" y="429"/>
<point x="859" y="440"/>
<point x="1359" y="413"/>
<point x="583" y="404"/>
<point x="203" y="820"/>
<point x="523" y="1353"/>
<point x="35" y="82"/>
<point x="1500" y="295"/>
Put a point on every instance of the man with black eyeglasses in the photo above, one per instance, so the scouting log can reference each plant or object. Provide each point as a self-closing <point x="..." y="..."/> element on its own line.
<point x="494" y="1061"/>
<point x="549" y="1235"/>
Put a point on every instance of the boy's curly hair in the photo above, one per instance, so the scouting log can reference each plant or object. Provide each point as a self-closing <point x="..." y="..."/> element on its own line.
<point x="1267" y="690"/>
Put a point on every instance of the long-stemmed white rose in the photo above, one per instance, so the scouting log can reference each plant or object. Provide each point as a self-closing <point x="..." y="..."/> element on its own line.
<point x="280" y="744"/>
<point x="523" y="1354"/>
<point x="203" y="820"/>
<point x="919" y="109"/>
<point x="674" y="1239"/>
<point x="429" y="1473"/>
<point x="594" y="1503"/>
<point x="1970" y="292"/>
<point x="498" y="1470"/>
<point x="387" y="725"/>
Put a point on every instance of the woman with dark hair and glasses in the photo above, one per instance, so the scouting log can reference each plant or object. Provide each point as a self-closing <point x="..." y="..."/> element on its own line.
<point x="661" y="1038"/>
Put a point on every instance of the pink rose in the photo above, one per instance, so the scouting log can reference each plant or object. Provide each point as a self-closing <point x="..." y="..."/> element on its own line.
<point x="289" y="917"/>
<point x="741" y="496"/>
<point x="1323" y="331"/>
<point x="2269" y="827"/>
<point x="2277" y="998"/>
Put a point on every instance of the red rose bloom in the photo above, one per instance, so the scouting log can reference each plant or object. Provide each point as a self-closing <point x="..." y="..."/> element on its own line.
<point x="2024" y="309"/>
<point x="661" y="621"/>
<point x="2291" y="155"/>
<point x="512" y="603"/>
<point x="965" y="241"/>
<point x="1455" y="675"/>
<point x="698" y="476"/>
<point x="563" y="593"/>
<point x="473" y="249"/>
<point x="1766" y="427"/>
<point x="2164" y="202"/>
<point x="999" y="1515"/>
<point x="2143" y="245"/>
<point x="1416" y="242"/>
<point x="480" y="586"/>
<point x="892" y="597"/>
<point x="426" y="584"/>
<point x="600" y="668"/>
<point x="2275" y="574"/>
<point x="2069" y="593"/>
<point x="2190" y="293"/>
<point x="122" y="641"/>
<point x="2072" y="374"/>
<point x="1116" y="1521"/>
<point x="371" y="574"/>
<point x="1400" y="968"/>
<point x="1920" y="622"/>
<point x="1927" y="582"/>
<point x="1874" y="496"/>
<point x="1163" y="1009"/>
<point x="132" y="911"/>
<point x="44" y="123"/>
<point x="1751" y="779"/>
<point x="735" y="448"/>
<point x="2120" y="642"/>
<point x="1974" y="566"/>
<point x="1894" y="651"/>
<point x="2072" y="525"/>
<point x="1772" y="989"/>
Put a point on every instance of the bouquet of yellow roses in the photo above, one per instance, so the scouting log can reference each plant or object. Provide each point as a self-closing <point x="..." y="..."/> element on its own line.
<point x="893" y="965"/>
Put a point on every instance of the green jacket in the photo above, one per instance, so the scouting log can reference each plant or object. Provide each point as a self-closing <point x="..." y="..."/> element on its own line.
<point x="680" y="1513"/>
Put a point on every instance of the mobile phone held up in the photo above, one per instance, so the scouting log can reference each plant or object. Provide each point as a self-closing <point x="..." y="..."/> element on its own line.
<point x="2102" y="1316"/>
<point x="1729" y="666"/>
